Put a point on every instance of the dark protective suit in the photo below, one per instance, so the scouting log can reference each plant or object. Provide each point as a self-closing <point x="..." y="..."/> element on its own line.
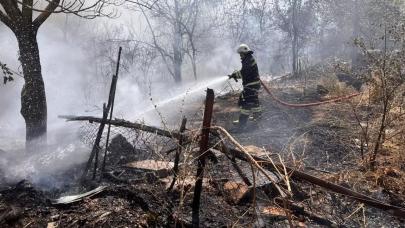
<point x="249" y="98"/>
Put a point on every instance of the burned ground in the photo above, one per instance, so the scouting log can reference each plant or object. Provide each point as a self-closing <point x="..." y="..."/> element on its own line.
<point x="319" y="140"/>
<point x="322" y="141"/>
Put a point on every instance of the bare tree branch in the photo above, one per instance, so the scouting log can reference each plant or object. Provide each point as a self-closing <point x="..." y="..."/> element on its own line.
<point x="10" y="9"/>
<point x="142" y="4"/>
<point x="76" y="7"/>
<point x="161" y="50"/>
<point x="45" y="15"/>
<point x="26" y="11"/>
<point x="6" y="20"/>
<point x="79" y="7"/>
<point x="14" y="8"/>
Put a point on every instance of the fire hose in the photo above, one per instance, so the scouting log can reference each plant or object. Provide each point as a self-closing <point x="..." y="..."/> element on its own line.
<point x="332" y="100"/>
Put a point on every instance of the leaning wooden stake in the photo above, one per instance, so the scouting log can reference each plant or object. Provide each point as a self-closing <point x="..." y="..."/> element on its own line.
<point x="112" y="97"/>
<point x="106" y="109"/>
<point x="96" y="145"/>
<point x="204" y="143"/>
<point x="178" y="152"/>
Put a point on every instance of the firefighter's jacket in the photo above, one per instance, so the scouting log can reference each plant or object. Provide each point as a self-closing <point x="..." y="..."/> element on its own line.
<point x="249" y="72"/>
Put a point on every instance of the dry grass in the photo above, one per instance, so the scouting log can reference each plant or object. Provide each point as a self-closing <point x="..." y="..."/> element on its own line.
<point x="389" y="176"/>
<point x="334" y="86"/>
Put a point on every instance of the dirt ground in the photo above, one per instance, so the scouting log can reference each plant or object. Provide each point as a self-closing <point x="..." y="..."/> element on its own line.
<point x="322" y="141"/>
<point x="319" y="141"/>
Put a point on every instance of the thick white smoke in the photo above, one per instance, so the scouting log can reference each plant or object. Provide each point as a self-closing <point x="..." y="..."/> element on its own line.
<point x="75" y="87"/>
<point x="66" y="72"/>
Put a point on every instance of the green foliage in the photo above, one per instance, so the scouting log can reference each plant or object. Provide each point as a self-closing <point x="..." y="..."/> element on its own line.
<point x="7" y="74"/>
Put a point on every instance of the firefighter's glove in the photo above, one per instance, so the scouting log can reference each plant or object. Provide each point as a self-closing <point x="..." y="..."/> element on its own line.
<point x="234" y="75"/>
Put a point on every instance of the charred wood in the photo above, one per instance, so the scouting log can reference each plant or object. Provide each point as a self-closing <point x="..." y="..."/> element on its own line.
<point x="298" y="175"/>
<point x="126" y="124"/>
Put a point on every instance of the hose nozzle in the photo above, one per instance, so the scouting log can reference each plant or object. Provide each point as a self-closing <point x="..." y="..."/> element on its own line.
<point x="231" y="77"/>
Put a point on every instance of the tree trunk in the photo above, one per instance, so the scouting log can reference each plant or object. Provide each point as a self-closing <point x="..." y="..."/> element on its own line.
<point x="295" y="56"/>
<point x="177" y="65"/>
<point x="33" y="99"/>
<point x="355" y="33"/>
<point x="177" y="45"/>
<point x="295" y="38"/>
<point x="380" y="140"/>
<point x="193" y="60"/>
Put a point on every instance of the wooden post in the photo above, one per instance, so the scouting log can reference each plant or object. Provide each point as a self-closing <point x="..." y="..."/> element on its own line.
<point x="112" y="98"/>
<point x="178" y="152"/>
<point x="106" y="109"/>
<point x="96" y="146"/>
<point x="209" y="104"/>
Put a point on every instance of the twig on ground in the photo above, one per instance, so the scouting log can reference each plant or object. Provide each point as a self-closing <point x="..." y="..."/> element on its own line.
<point x="251" y="159"/>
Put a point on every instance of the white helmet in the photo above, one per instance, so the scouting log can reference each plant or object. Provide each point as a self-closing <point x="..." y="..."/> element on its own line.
<point x="243" y="49"/>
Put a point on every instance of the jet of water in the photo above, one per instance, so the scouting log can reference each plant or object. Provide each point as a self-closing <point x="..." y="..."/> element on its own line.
<point x="190" y="93"/>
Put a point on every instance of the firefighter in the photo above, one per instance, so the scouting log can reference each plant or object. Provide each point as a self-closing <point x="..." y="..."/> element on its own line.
<point x="249" y="98"/>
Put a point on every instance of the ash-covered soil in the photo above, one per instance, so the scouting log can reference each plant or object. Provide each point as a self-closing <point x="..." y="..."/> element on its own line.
<point x="321" y="141"/>
<point x="317" y="140"/>
<point x="117" y="206"/>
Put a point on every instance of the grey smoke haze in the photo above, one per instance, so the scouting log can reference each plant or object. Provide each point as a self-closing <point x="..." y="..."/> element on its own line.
<point x="66" y="72"/>
<point x="73" y="86"/>
<point x="77" y="59"/>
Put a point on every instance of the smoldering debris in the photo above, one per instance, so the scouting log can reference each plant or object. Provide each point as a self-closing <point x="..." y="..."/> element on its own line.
<point x="51" y="167"/>
<point x="140" y="196"/>
<point x="76" y="198"/>
<point x="140" y="170"/>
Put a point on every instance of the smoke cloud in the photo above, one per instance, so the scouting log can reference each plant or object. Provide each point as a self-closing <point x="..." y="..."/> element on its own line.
<point x="75" y="87"/>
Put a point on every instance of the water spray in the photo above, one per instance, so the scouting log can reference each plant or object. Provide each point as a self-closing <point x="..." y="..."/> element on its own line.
<point x="190" y="92"/>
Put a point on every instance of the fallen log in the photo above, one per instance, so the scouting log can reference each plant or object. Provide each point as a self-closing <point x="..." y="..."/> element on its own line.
<point x="298" y="175"/>
<point x="125" y="124"/>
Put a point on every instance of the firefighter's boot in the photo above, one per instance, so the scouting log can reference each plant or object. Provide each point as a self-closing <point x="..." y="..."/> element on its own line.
<point x="240" y="124"/>
<point x="257" y="116"/>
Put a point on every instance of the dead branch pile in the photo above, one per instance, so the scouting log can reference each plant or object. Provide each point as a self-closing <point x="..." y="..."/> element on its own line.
<point x="240" y="177"/>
